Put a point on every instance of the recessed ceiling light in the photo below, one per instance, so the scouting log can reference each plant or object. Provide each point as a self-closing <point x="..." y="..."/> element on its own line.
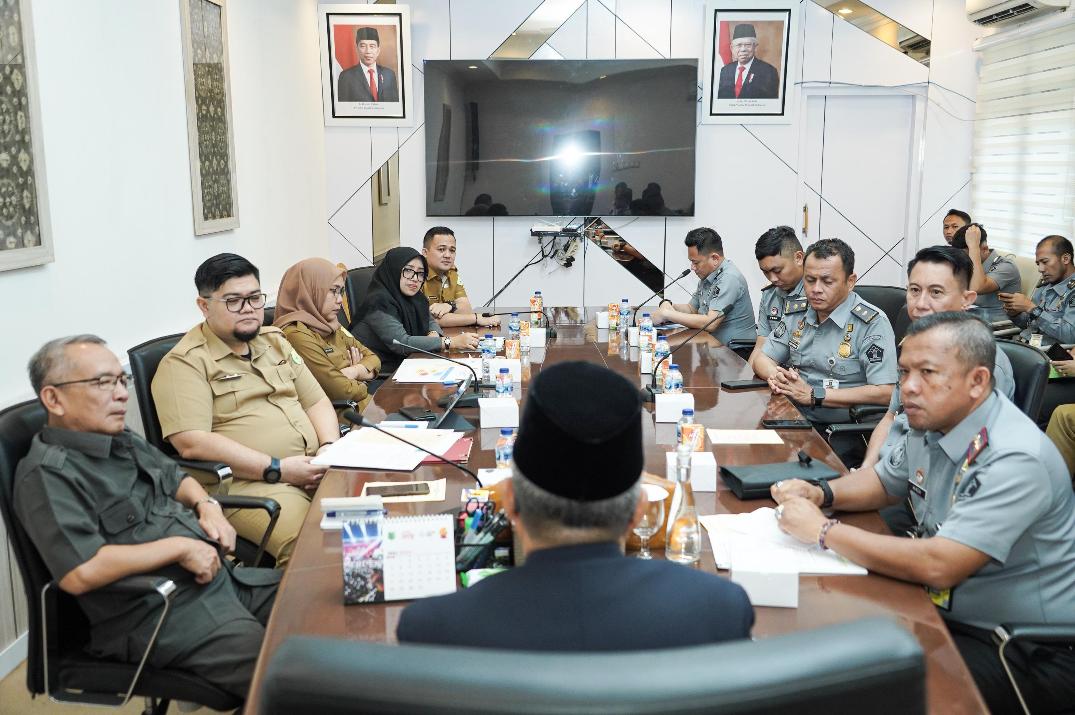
<point x="472" y="67"/>
<point x="846" y="11"/>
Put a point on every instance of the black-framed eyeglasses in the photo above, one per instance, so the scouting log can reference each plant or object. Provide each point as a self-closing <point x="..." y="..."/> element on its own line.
<point x="409" y="273"/>
<point x="336" y="291"/>
<point x="236" y="304"/>
<point x="104" y="383"/>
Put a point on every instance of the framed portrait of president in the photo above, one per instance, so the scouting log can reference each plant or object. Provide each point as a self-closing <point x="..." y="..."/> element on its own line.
<point x="366" y="64"/>
<point x="750" y="54"/>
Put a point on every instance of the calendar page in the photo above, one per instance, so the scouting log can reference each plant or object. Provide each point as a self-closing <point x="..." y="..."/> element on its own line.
<point x="398" y="558"/>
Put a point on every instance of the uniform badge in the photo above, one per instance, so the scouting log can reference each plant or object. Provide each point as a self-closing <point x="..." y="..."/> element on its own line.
<point x="716" y="291"/>
<point x="899" y="453"/>
<point x="941" y="599"/>
<point x="774" y="311"/>
<point x="845" y="351"/>
<point x="328" y="349"/>
<point x="832" y="361"/>
<point x="875" y="353"/>
<point x="780" y="329"/>
<point x="1071" y="302"/>
<point x="1071" y="283"/>
<point x="793" y="343"/>
<point x="971" y="489"/>
<point x="919" y="476"/>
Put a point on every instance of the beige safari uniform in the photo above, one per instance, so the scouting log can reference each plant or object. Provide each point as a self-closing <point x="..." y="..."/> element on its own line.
<point x="444" y="290"/>
<point x="260" y="403"/>
<point x="326" y="357"/>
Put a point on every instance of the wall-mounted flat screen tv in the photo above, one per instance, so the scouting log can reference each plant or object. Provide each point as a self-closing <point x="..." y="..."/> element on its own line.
<point x="560" y="137"/>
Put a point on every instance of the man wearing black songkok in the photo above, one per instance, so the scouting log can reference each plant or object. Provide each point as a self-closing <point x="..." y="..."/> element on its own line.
<point x="575" y="493"/>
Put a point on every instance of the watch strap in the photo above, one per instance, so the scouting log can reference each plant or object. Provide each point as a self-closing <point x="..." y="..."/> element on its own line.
<point x="272" y="474"/>
<point x="826" y="490"/>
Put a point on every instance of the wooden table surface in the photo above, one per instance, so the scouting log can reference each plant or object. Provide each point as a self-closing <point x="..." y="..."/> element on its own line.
<point x="310" y="600"/>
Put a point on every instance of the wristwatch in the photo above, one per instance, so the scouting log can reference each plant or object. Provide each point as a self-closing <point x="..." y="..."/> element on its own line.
<point x="819" y="396"/>
<point x="451" y="303"/>
<point x="447" y="342"/>
<point x="1036" y="311"/>
<point x="826" y="490"/>
<point x="271" y="475"/>
<point x="207" y="500"/>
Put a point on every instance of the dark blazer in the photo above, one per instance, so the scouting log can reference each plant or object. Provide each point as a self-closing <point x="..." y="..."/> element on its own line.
<point x="355" y="87"/>
<point x="588" y="597"/>
<point x="761" y="82"/>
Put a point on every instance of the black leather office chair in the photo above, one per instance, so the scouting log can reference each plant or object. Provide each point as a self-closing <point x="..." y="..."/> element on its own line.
<point x="356" y="287"/>
<point x="144" y="360"/>
<point x="1030" y="368"/>
<point x="270" y="314"/>
<point x="870" y="666"/>
<point x="892" y="301"/>
<point x="57" y="663"/>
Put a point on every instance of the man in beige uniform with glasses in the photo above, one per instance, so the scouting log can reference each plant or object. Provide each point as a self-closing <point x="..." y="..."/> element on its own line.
<point x="236" y="392"/>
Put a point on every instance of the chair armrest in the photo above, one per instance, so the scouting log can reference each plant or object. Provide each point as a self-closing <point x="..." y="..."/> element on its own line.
<point x="851" y="429"/>
<point x="867" y="413"/>
<point x="740" y="343"/>
<point x="1006" y="332"/>
<point x="141" y="585"/>
<point x="221" y="470"/>
<point x="344" y="404"/>
<point x="1038" y="632"/>
<point x="1000" y="324"/>
<point x="269" y="505"/>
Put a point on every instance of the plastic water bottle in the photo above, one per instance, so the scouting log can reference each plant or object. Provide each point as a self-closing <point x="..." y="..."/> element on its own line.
<point x="673" y="380"/>
<point x="504" y="388"/>
<point x="660" y="365"/>
<point x="645" y="334"/>
<point x="683" y="542"/>
<point x="625" y="315"/>
<point x="536" y="305"/>
<point x="513" y="327"/>
<point x="686" y="419"/>
<point x="505" y="445"/>
<point x="488" y="349"/>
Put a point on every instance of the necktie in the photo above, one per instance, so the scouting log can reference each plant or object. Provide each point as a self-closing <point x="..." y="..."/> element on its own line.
<point x="373" y="87"/>
<point x="738" y="82"/>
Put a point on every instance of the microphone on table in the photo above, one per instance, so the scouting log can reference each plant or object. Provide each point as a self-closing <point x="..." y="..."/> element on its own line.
<point x="650" y="393"/>
<point x="549" y="327"/>
<point x="476" y="385"/>
<point x="681" y="276"/>
<point x="358" y="419"/>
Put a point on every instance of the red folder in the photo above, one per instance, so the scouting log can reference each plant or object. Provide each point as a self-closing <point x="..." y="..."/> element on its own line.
<point x="459" y="452"/>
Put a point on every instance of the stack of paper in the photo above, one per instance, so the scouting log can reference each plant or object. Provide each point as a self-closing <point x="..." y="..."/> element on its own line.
<point x="367" y="448"/>
<point x="414" y="370"/>
<point x="754" y="542"/>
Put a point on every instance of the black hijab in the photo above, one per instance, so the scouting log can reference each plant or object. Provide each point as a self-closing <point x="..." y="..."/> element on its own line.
<point x="384" y="293"/>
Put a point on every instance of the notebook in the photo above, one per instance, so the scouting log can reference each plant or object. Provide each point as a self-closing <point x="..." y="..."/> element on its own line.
<point x="459" y="452"/>
<point x="398" y="558"/>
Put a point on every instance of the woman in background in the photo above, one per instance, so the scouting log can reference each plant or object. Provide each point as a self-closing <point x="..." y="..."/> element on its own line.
<point x="307" y="308"/>
<point x="396" y="309"/>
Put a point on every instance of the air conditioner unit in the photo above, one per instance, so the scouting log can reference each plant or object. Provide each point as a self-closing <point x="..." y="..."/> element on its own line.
<point x="998" y="12"/>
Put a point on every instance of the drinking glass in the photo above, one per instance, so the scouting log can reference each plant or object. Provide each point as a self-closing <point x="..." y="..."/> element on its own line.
<point x="652" y="517"/>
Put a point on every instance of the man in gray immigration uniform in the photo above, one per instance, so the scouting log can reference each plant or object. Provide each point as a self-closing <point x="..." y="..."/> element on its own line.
<point x="780" y="258"/>
<point x="721" y="304"/>
<point x="993" y="505"/>
<point x="993" y="273"/>
<point x="1050" y="312"/>
<point x="833" y="350"/>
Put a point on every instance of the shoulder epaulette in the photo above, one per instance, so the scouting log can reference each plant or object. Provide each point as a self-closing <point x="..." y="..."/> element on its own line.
<point x="768" y="287"/>
<point x="55" y="457"/>
<point x="270" y="329"/>
<point x="864" y="312"/>
<point x="797" y="305"/>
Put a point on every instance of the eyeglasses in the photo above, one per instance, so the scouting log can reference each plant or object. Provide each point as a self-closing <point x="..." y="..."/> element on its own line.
<point x="337" y="292"/>
<point x="236" y="304"/>
<point x="104" y="383"/>
<point x="410" y="273"/>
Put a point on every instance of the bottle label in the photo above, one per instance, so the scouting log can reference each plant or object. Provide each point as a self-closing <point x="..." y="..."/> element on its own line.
<point x="693" y="434"/>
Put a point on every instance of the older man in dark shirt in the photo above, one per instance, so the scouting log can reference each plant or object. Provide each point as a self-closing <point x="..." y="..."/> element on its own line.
<point x="100" y="504"/>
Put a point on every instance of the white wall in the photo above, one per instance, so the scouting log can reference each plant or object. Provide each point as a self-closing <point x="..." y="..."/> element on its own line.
<point x="114" y="126"/>
<point x="491" y="250"/>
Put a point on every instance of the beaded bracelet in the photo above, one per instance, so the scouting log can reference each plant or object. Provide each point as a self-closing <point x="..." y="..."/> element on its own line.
<point x="825" y="532"/>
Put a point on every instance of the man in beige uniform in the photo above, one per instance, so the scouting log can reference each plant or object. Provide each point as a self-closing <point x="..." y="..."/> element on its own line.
<point x="235" y="392"/>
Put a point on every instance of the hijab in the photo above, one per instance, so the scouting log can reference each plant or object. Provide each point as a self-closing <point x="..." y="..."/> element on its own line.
<point x="384" y="293"/>
<point x="303" y="290"/>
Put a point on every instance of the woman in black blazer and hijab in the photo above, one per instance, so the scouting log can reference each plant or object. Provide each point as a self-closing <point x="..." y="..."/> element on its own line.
<point x="396" y="309"/>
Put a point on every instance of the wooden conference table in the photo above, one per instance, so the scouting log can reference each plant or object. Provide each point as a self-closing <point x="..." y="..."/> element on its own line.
<point x="310" y="600"/>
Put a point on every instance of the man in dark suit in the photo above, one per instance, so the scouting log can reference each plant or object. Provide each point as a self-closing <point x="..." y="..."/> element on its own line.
<point x="368" y="81"/>
<point x="574" y="495"/>
<point x="747" y="77"/>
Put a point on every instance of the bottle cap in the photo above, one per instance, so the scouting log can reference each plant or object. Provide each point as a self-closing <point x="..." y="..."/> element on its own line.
<point x="689" y="411"/>
<point x="645" y="315"/>
<point x="515" y="315"/>
<point x="506" y="430"/>
<point x="537" y="292"/>
<point x="488" y="335"/>
<point x="505" y="371"/>
<point x="674" y="366"/>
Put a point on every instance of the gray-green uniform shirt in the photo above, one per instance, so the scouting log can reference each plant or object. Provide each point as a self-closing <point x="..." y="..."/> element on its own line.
<point x="771" y="306"/>
<point x="1013" y="502"/>
<point x="814" y="350"/>
<point x="725" y="290"/>
<point x="1056" y="323"/>
<point x="1004" y="381"/>
<point x="1005" y="274"/>
<point x="76" y="492"/>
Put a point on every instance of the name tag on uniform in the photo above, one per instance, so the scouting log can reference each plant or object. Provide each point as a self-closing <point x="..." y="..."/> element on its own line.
<point x="916" y="488"/>
<point x="225" y="378"/>
<point x="830" y="384"/>
<point x="328" y="350"/>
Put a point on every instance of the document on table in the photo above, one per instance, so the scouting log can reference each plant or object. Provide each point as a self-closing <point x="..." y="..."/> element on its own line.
<point x="753" y="541"/>
<point x="743" y="436"/>
<point x="430" y="370"/>
<point x="366" y="448"/>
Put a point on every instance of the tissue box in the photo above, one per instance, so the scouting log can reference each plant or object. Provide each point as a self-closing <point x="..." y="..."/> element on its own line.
<point x="645" y="362"/>
<point x="670" y="406"/>
<point x="632" y="336"/>
<point x="537" y="337"/>
<point x="703" y="470"/>
<point x="602" y="319"/>
<point x="769" y="588"/>
<point x="498" y="412"/>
